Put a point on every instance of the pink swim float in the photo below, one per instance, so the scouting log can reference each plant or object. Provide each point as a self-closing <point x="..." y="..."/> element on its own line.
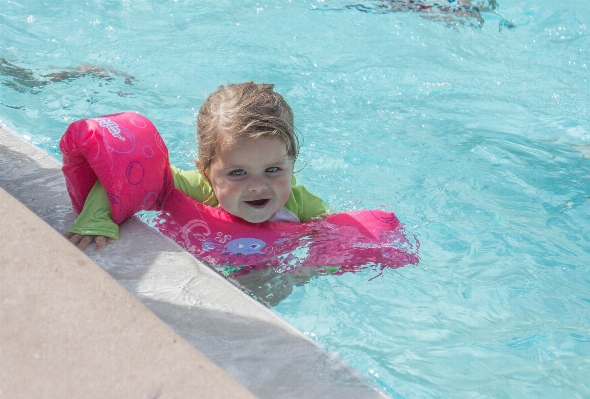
<point x="339" y="243"/>
<point x="126" y="153"/>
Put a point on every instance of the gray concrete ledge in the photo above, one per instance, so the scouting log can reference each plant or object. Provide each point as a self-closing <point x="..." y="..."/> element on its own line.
<point x="68" y="330"/>
<point x="242" y="337"/>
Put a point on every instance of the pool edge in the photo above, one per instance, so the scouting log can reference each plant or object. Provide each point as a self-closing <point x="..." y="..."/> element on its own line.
<point x="51" y="343"/>
<point x="239" y="317"/>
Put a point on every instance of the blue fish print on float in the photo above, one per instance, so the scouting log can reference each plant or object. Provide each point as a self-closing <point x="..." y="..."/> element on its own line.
<point x="245" y="246"/>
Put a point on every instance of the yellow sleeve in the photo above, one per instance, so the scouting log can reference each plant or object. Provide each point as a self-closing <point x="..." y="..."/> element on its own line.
<point x="304" y="204"/>
<point x="95" y="218"/>
<point x="194" y="184"/>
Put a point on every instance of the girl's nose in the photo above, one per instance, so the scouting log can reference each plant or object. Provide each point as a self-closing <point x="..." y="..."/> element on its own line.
<point x="257" y="185"/>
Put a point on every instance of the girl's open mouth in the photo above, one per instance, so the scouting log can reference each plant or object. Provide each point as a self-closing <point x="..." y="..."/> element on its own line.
<point x="258" y="203"/>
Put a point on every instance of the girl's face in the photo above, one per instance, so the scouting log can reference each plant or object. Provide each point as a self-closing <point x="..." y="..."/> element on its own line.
<point x="251" y="178"/>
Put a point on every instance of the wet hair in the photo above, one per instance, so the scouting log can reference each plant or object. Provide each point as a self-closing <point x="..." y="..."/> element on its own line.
<point x="248" y="110"/>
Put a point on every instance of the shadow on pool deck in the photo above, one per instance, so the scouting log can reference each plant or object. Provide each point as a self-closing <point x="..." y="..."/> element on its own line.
<point x="67" y="329"/>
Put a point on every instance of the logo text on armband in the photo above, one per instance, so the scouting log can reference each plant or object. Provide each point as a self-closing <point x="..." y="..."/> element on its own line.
<point x="365" y="245"/>
<point x="369" y="245"/>
<point x="112" y="127"/>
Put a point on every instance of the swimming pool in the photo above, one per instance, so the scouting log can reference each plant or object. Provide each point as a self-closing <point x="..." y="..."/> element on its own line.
<point x="475" y="135"/>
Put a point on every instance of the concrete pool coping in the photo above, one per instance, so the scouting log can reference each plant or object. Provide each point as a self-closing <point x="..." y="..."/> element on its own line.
<point x="62" y="316"/>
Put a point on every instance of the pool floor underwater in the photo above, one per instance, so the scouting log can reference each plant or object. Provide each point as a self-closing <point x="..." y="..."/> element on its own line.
<point x="242" y="337"/>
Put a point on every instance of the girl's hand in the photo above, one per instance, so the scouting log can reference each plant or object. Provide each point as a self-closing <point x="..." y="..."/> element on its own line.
<point x="82" y="242"/>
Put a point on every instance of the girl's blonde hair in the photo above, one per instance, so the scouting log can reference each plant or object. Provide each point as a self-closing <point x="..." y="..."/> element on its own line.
<point x="247" y="110"/>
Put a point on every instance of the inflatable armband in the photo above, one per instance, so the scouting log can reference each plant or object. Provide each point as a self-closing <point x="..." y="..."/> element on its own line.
<point x="126" y="153"/>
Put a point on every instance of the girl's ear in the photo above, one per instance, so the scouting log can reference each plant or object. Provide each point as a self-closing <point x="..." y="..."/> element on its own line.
<point x="199" y="165"/>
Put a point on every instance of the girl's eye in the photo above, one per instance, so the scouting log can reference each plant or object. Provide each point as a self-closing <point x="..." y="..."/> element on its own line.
<point x="237" y="172"/>
<point x="272" y="169"/>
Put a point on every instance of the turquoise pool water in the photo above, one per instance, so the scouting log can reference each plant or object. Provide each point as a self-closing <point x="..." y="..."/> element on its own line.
<point x="477" y="135"/>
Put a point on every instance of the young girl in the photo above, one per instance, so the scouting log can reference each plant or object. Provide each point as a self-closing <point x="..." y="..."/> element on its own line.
<point x="247" y="151"/>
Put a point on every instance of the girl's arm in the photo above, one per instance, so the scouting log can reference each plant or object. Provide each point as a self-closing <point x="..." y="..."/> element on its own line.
<point x="304" y="204"/>
<point x="194" y="184"/>
<point x="95" y="223"/>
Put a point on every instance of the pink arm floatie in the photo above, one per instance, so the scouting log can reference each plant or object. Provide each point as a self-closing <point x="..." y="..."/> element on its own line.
<point x="126" y="153"/>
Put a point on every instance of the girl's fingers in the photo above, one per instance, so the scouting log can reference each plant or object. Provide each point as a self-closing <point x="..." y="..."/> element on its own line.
<point x="100" y="242"/>
<point x="82" y="242"/>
